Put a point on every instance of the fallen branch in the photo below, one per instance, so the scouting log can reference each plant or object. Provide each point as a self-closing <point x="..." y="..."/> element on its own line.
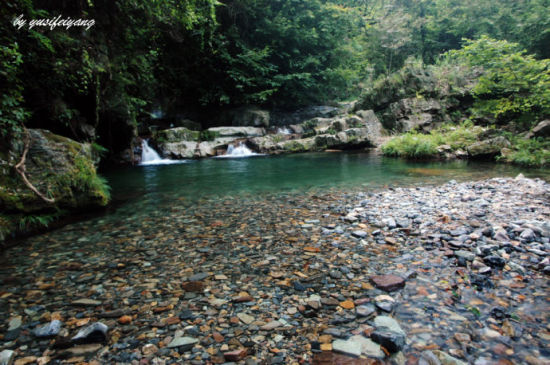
<point x="20" y="168"/>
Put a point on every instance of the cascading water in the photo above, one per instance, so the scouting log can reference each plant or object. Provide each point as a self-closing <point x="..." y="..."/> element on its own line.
<point x="239" y="151"/>
<point x="284" y="130"/>
<point x="150" y="157"/>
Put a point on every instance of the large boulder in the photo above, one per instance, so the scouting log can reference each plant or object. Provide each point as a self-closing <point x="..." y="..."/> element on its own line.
<point x="59" y="168"/>
<point x="540" y="130"/>
<point x="303" y="114"/>
<point x="412" y="113"/>
<point x="488" y="148"/>
<point x="178" y="150"/>
<point x="246" y="116"/>
<point x="372" y="123"/>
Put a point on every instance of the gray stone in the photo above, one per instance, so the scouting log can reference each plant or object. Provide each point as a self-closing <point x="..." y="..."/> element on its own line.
<point x="392" y="341"/>
<point x="467" y="255"/>
<point x="527" y="235"/>
<point x="271" y="326"/>
<point x="14" y="323"/>
<point x="95" y="332"/>
<point x="199" y="276"/>
<point x="385" y="322"/>
<point x="541" y="130"/>
<point x="7" y="357"/>
<point x="349" y="347"/>
<point x="186" y="342"/>
<point x="51" y="329"/>
<point x="359" y="234"/>
<point x="366" y="310"/>
<point x="487" y="148"/>
<point x="368" y="347"/>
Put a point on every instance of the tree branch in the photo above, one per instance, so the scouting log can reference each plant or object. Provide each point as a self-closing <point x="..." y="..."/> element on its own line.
<point x="20" y="168"/>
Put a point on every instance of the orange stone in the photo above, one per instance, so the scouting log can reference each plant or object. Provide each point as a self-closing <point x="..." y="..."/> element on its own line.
<point x="125" y="320"/>
<point x="348" y="304"/>
<point x="312" y="249"/>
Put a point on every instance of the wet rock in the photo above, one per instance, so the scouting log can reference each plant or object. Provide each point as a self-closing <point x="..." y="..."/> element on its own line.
<point x="96" y="332"/>
<point x="7" y="357"/>
<point x="388" y="323"/>
<point x="392" y="341"/>
<point x="495" y="261"/>
<point x="348" y="347"/>
<point x="388" y="283"/>
<point x="428" y="358"/>
<point x="365" y="310"/>
<point x="49" y="330"/>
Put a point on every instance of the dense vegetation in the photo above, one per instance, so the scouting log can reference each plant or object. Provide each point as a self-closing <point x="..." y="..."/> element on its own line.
<point x="184" y="56"/>
<point x="510" y="94"/>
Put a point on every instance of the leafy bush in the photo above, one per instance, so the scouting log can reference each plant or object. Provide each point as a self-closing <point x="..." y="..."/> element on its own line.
<point x="416" y="145"/>
<point x="514" y="87"/>
<point x="533" y="152"/>
<point x="412" y="145"/>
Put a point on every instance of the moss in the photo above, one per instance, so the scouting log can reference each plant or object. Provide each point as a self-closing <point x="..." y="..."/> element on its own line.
<point x="207" y="136"/>
<point x="59" y="168"/>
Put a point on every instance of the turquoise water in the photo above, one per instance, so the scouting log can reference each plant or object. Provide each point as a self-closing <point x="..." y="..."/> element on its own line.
<point x="255" y="176"/>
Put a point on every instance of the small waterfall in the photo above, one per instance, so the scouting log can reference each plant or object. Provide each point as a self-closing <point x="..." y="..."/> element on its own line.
<point x="284" y="130"/>
<point x="150" y="157"/>
<point x="239" y="151"/>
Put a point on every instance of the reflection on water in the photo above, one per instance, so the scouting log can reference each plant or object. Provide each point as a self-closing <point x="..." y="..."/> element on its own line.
<point x="153" y="187"/>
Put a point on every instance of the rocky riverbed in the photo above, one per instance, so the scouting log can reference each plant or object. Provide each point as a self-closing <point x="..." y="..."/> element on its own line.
<point x="451" y="274"/>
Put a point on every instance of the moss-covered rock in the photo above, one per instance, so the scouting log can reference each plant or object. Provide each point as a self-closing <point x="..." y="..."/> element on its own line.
<point x="180" y="134"/>
<point x="488" y="148"/>
<point x="60" y="169"/>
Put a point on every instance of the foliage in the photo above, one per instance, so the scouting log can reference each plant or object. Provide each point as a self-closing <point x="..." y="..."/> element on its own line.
<point x="534" y="152"/>
<point x="412" y="145"/>
<point x="514" y="86"/>
<point x="415" y="145"/>
<point x="207" y="135"/>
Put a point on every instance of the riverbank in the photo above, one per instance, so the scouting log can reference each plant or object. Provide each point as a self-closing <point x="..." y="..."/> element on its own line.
<point x="285" y="276"/>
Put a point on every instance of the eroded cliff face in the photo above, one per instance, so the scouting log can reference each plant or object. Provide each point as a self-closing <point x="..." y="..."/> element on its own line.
<point x="61" y="170"/>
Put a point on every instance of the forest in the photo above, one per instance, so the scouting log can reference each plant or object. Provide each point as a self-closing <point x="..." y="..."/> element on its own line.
<point x="190" y="57"/>
<point x="274" y="182"/>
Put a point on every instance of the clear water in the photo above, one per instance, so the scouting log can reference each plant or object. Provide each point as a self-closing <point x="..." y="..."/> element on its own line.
<point x="153" y="187"/>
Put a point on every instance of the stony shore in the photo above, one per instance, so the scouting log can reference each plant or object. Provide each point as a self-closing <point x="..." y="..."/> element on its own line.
<point x="452" y="274"/>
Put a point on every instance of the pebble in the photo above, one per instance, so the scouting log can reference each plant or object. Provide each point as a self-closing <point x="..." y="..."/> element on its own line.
<point x="7" y="357"/>
<point x="388" y="282"/>
<point x="49" y="330"/>
<point x="268" y="287"/>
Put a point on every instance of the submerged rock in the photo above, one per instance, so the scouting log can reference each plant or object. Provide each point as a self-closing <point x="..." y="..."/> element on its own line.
<point x="49" y="330"/>
<point x="96" y="332"/>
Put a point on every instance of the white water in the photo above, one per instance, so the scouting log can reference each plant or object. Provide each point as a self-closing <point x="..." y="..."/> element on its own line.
<point x="150" y="157"/>
<point x="284" y="130"/>
<point x="240" y="151"/>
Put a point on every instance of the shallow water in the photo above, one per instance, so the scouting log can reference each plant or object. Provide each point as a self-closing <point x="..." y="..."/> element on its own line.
<point x="150" y="187"/>
<point x="241" y="218"/>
